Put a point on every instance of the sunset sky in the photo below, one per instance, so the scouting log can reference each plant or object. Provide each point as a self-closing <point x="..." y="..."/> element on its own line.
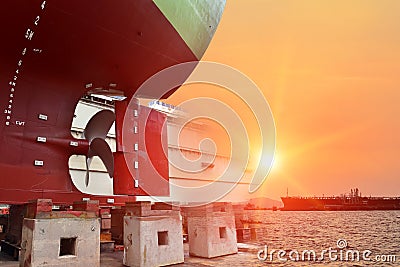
<point x="330" y="71"/>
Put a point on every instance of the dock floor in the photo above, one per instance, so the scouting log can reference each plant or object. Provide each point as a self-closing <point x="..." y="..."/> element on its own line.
<point x="247" y="256"/>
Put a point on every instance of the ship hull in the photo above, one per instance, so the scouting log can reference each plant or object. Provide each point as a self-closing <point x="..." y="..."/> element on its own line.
<point x="339" y="203"/>
<point x="51" y="54"/>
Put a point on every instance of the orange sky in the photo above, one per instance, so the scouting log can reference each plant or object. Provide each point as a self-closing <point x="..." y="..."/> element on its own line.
<point x="331" y="73"/>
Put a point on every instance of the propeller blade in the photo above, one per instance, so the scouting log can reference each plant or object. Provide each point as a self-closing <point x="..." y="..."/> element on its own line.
<point x="99" y="147"/>
<point x="99" y="125"/>
<point x="88" y="161"/>
<point x="95" y="132"/>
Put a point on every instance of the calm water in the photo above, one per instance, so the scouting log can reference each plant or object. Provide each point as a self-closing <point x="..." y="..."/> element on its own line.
<point x="377" y="231"/>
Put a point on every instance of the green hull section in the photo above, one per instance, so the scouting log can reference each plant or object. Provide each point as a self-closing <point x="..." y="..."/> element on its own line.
<point x="195" y="20"/>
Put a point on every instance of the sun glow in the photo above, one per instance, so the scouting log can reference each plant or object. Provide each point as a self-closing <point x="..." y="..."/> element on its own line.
<point x="275" y="164"/>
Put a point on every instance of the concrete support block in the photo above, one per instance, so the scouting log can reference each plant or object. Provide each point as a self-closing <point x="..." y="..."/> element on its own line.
<point x="152" y="240"/>
<point x="165" y="206"/>
<point x="139" y="208"/>
<point x="39" y="208"/>
<point x="211" y="230"/>
<point x="241" y="216"/>
<point x="88" y="205"/>
<point x="243" y="235"/>
<point x="60" y="238"/>
<point x="60" y="242"/>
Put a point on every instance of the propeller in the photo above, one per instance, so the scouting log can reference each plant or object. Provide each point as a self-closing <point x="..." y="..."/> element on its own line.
<point x="95" y="133"/>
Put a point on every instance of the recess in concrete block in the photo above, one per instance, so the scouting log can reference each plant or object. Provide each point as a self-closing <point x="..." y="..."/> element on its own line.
<point x="222" y="232"/>
<point x="163" y="238"/>
<point x="67" y="246"/>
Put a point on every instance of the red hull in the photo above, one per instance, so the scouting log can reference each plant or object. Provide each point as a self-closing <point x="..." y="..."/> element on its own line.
<point x="49" y="53"/>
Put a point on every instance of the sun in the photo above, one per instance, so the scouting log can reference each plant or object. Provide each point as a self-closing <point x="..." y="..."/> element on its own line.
<point x="275" y="163"/>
